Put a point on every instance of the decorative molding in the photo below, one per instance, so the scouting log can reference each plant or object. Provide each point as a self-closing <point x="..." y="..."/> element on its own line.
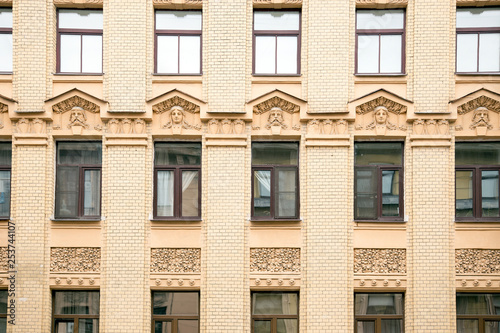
<point x="78" y="2"/>
<point x="477" y="261"/>
<point x="431" y="127"/>
<point x="277" y="116"/>
<point x="79" y="281"/>
<point x="275" y="260"/>
<point x="75" y="101"/>
<point x="3" y="107"/>
<point x="285" y="282"/>
<point x="478" y="117"/>
<point x="481" y="101"/>
<point x="390" y="105"/>
<point x="276" y="102"/>
<point x="477" y="283"/>
<point x="188" y="281"/>
<point x="380" y="283"/>
<point x="381" y="261"/>
<point x="28" y="126"/>
<point x="177" y="115"/>
<point x="4" y="265"/>
<point x="226" y="126"/>
<point x="176" y="260"/>
<point x="126" y="126"/>
<point x="75" y="259"/>
<point x="327" y="126"/>
<point x="167" y="105"/>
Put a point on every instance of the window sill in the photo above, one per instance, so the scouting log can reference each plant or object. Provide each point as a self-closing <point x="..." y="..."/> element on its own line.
<point x="5" y="77"/>
<point x="381" y="221"/>
<point x="475" y="77"/>
<point x="176" y="78"/>
<point x="176" y="220"/>
<point x="276" y="78"/>
<point x="478" y="221"/>
<point x="380" y="74"/>
<point x="276" y="220"/>
<point x="380" y="78"/>
<point x="97" y="219"/>
<point x="76" y="77"/>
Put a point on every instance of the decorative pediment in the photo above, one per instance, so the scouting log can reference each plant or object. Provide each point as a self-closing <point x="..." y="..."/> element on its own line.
<point x="7" y="106"/>
<point x="389" y="105"/>
<point x="75" y="101"/>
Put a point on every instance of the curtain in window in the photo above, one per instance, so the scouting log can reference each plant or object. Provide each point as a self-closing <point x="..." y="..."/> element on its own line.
<point x="189" y="193"/>
<point x="165" y="204"/>
<point x="92" y="200"/>
<point x="263" y="187"/>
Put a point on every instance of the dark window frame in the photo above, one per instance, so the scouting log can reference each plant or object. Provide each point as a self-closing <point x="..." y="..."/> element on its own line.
<point x="380" y="32"/>
<point x="173" y="318"/>
<point x="4" y="315"/>
<point x="81" y="33"/>
<point x="276" y="34"/>
<point x="56" y="318"/>
<point x="274" y="318"/>
<point x="477" y="31"/>
<point x="481" y="318"/>
<point x="5" y="167"/>
<point x="178" y="33"/>
<point x="379" y="317"/>
<point x="7" y="31"/>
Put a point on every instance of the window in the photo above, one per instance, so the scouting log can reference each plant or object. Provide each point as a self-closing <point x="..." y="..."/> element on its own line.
<point x="5" y="163"/>
<point x="275" y="180"/>
<point x="178" y="42"/>
<point x="76" y="311"/>
<point x="276" y="42"/>
<point x="176" y="312"/>
<point x="177" y="180"/>
<point x="78" y="180"/>
<point x="478" y="40"/>
<point x="380" y="41"/>
<point x="478" y="313"/>
<point x="476" y="183"/>
<point x="275" y="312"/>
<point x="5" y="40"/>
<point x="378" y="181"/>
<point x="379" y="313"/>
<point x="79" y="34"/>
<point x="3" y="311"/>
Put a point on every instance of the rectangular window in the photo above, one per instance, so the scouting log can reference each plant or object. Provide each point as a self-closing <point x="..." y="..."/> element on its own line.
<point x="378" y="181"/>
<point x="379" y="313"/>
<point x="275" y="312"/>
<point x="79" y="33"/>
<point x="76" y="311"/>
<point x="478" y="40"/>
<point x="176" y="312"/>
<point x="177" y="181"/>
<point x="276" y="42"/>
<point x="477" y="166"/>
<point x="275" y="180"/>
<point x="178" y="42"/>
<point x="3" y="311"/>
<point x="380" y="41"/>
<point x="78" y="180"/>
<point x="478" y="313"/>
<point x="5" y="166"/>
<point x="5" y="40"/>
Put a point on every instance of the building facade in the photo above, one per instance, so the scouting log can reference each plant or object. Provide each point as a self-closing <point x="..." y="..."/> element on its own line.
<point x="249" y="166"/>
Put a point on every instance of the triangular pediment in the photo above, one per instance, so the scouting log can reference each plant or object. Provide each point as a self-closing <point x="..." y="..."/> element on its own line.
<point x="175" y="97"/>
<point x="381" y="97"/>
<point x="276" y="98"/>
<point x="75" y="98"/>
<point x="479" y="98"/>
<point x="7" y="104"/>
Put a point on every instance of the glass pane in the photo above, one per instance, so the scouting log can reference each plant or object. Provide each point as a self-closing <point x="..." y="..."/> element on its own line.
<point x="163" y="327"/>
<point x="476" y="153"/>
<point x="467" y="326"/>
<point x="92" y="54"/>
<point x="178" y="20"/>
<point x="5" y="52"/>
<point x="276" y="20"/>
<point x="287" y="55"/>
<point x="391" y="53"/>
<point x="76" y="302"/>
<point x="261" y="326"/>
<point x="365" y="327"/>
<point x="5" y="17"/>
<point x="265" y="53"/>
<point x="464" y="193"/>
<point x="390" y="193"/>
<point x="168" y="54"/>
<point x="262" y="193"/>
<point x="3" y="301"/>
<point x="88" y="326"/>
<point x="392" y="326"/>
<point x="489" y="193"/>
<point x="4" y="194"/>
<point x="74" y="153"/>
<point x="67" y="185"/>
<point x="70" y="53"/>
<point x="466" y="52"/>
<point x="368" y="53"/>
<point x="80" y="19"/>
<point x="492" y="326"/>
<point x="175" y="303"/>
<point x="489" y="52"/>
<point x="478" y="304"/>
<point x="378" y="153"/>
<point x="92" y="193"/>
<point x="3" y="325"/>
<point x="187" y="326"/>
<point x="366" y="193"/>
<point x="287" y="326"/>
<point x="378" y="304"/>
<point x="275" y="153"/>
<point x="165" y="195"/>
<point x="177" y="154"/>
<point x="65" y="326"/>
<point x="478" y="17"/>
<point x="380" y="19"/>
<point x="275" y="303"/>
<point x="190" y="181"/>
<point x="287" y="193"/>
<point x="5" y="153"/>
<point x="190" y="55"/>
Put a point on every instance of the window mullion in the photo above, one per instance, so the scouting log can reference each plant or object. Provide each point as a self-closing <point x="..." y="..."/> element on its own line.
<point x="177" y="191"/>
<point x="477" y="199"/>
<point x="273" y="192"/>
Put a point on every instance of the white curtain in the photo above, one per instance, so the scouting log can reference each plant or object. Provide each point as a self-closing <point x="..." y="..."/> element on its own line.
<point x="264" y="178"/>
<point x="165" y="204"/>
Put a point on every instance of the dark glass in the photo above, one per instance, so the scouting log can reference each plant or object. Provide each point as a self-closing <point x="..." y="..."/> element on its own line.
<point x="67" y="189"/>
<point x="378" y="153"/>
<point x="4" y="192"/>
<point x="477" y="153"/>
<point x="287" y="326"/>
<point x="88" y="325"/>
<point x="5" y="153"/>
<point x="261" y="326"/>
<point x="190" y="193"/>
<point x="366" y="193"/>
<point x="3" y="325"/>
<point x="491" y="326"/>
<point x="286" y="193"/>
<point x="76" y="302"/>
<point x="464" y="193"/>
<point x="262" y="193"/>
<point x="489" y="189"/>
<point x="177" y="153"/>
<point x="392" y="325"/>
<point x="3" y="301"/>
<point x="65" y="326"/>
<point x="78" y="153"/>
<point x="378" y="304"/>
<point x="478" y="304"/>
<point x="175" y="303"/>
<point x="275" y="153"/>
<point x="92" y="192"/>
<point x="366" y="326"/>
<point x="390" y="193"/>
<point x="275" y="304"/>
<point x="163" y="327"/>
<point x="467" y="326"/>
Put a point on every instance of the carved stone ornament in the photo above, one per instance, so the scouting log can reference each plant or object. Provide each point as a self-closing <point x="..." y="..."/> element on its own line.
<point x="3" y="107"/>
<point x="226" y="126"/>
<point x="276" y="115"/>
<point x="477" y="261"/>
<point x="76" y="114"/>
<point x="3" y="259"/>
<point x="176" y="260"/>
<point x="480" y="116"/>
<point x="275" y="260"/>
<point x="327" y="127"/>
<point x="381" y="261"/>
<point x="31" y="126"/>
<point x="380" y="115"/>
<point x="75" y="259"/>
<point x="177" y="114"/>
<point x="431" y="127"/>
<point x="126" y="126"/>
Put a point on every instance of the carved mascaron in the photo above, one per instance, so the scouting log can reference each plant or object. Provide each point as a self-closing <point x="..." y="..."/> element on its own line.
<point x="276" y="116"/>
<point x="77" y="116"/>
<point x="176" y="116"/>
<point x="478" y="117"/>
<point x="381" y="116"/>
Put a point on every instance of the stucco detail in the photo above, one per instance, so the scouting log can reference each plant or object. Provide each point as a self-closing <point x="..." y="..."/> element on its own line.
<point x="477" y="261"/>
<point x="380" y="261"/>
<point x="71" y="102"/>
<point x="75" y="259"/>
<point x="3" y="259"/>
<point x="176" y="260"/>
<point x="275" y="260"/>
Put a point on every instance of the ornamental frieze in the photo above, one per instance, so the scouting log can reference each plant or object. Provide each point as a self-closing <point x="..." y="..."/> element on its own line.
<point x="381" y="261"/>
<point x="3" y="259"/>
<point x="75" y="259"/>
<point x="431" y="127"/>
<point x="477" y="261"/>
<point x="169" y="260"/>
<point x="275" y="260"/>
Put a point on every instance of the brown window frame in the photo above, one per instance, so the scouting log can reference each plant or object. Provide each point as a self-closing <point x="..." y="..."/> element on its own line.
<point x="7" y="31"/>
<point x="71" y="317"/>
<point x="274" y="318"/>
<point x="480" y="318"/>
<point x="5" y="167"/>
<point x="378" y="318"/>
<point x="4" y="315"/>
<point x="276" y="34"/>
<point x="178" y="33"/>
<point x="477" y="31"/>
<point x="80" y="32"/>
<point x="173" y="318"/>
<point x="380" y="32"/>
